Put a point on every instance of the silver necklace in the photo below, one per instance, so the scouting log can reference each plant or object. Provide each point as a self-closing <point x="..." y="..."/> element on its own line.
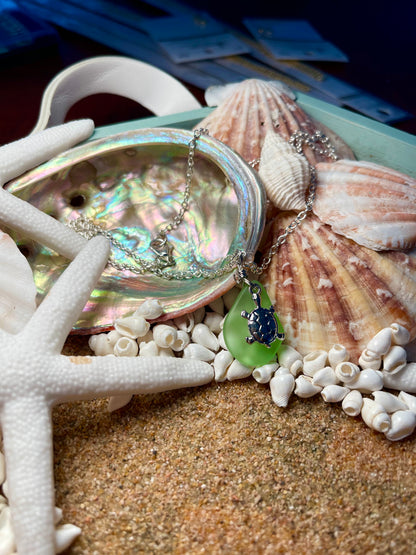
<point x="241" y="262"/>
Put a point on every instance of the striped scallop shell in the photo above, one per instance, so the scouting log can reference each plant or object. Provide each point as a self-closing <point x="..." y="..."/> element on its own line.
<point x="285" y="173"/>
<point x="255" y="107"/>
<point x="328" y="289"/>
<point x="371" y="204"/>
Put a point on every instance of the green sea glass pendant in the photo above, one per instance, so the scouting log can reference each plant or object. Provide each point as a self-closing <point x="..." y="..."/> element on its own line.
<point x="252" y="331"/>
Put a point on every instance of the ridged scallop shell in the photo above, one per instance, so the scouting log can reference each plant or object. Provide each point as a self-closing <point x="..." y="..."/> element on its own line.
<point x="255" y="107"/>
<point x="371" y="204"/>
<point x="17" y="288"/>
<point x="285" y="173"/>
<point x="328" y="289"/>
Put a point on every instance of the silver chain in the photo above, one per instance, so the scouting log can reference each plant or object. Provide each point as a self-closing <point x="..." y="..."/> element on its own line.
<point x="161" y="247"/>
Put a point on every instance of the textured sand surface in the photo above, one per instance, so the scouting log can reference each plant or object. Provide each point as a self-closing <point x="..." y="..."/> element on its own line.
<point x="221" y="469"/>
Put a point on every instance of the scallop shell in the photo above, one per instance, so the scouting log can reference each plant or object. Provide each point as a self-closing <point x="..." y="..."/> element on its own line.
<point x="132" y="184"/>
<point x="17" y="288"/>
<point x="327" y="289"/>
<point x="285" y="173"/>
<point x="255" y="107"/>
<point x="371" y="204"/>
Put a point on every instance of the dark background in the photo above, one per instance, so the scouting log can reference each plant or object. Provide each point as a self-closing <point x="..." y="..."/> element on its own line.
<point x="378" y="37"/>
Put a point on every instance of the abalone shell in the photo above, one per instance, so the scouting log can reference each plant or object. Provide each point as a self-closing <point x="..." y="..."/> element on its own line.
<point x="132" y="184"/>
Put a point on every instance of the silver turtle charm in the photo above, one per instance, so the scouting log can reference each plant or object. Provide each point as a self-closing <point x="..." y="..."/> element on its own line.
<point x="261" y="321"/>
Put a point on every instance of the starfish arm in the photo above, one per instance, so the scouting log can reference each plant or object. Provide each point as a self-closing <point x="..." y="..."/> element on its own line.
<point x="102" y="376"/>
<point x="27" y="435"/>
<point x="53" y="320"/>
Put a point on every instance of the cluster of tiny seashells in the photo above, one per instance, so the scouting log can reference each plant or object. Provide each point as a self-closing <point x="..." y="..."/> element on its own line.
<point x="360" y="388"/>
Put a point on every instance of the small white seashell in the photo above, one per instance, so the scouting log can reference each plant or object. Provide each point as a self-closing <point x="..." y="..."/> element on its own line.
<point x="238" y="371"/>
<point x="352" y="403"/>
<point x="185" y="322"/>
<point x="408" y="400"/>
<point x="400" y="335"/>
<point x="150" y="309"/>
<point x="182" y="340"/>
<point x="367" y="381"/>
<point x="369" y="359"/>
<point x="314" y="361"/>
<point x="395" y="360"/>
<point x="199" y="315"/>
<point x="263" y="374"/>
<point x="381" y="342"/>
<point x="375" y="416"/>
<point x="101" y="344"/>
<point x="214" y="321"/>
<point x="403" y="423"/>
<point x="347" y="371"/>
<point x="281" y="388"/>
<point x="65" y="534"/>
<point x="217" y="305"/>
<point x="334" y="393"/>
<point x="149" y="349"/>
<point x="288" y="356"/>
<point x="202" y="335"/>
<point x="221" y="363"/>
<point x="405" y="380"/>
<point x="198" y="352"/>
<point x="336" y="354"/>
<point x="166" y="352"/>
<point x="132" y="326"/>
<point x="284" y="172"/>
<point x="7" y="541"/>
<point x="389" y="401"/>
<point x="325" y="376"/>
<point x="113" y="336"/>
<point x="57" y="515"/>
<point x="304" y="387"/>
<point x="2" y="468"/>
<point x="221" y="340"/>
<point x="230" y="296"/>
<point x="126" y="347"/>
<point x="165" y="335"/>
<point x="118" y="401"/>
<point x="281" y="370"/>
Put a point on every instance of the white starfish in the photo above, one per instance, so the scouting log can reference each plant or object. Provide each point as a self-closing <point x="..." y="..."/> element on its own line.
<point x="35" y="376"/>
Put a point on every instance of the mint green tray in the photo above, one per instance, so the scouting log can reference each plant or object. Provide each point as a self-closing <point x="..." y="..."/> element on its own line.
<point x="368" y="139"/>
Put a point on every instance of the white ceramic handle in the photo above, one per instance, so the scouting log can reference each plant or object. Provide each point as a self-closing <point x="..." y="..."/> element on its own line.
<point x="151" y="87"/>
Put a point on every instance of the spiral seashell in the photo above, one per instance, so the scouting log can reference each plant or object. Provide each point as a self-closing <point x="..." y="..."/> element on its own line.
<point x="101" y="344"/>
<point x="204" y="336"/>
<point x="325" y="376"/>
<point x="65" y="534"/>
<point x="403" y="424"/>
<point x="368" y="359"/>
<point x="408" y="400"/>
<point x="254" y="107"/>
<point x="352" y="403"/>
<point x="199" y="315"/>
<point x="405" y="380"/>
<point x="400" y="335"/>
<point x="285" y="174"/>
<point x="214" y="321"/>
<point x="222" y="362"/>
<point x="395" y="359"/>
<point x="237" y="371"/>
<point x="314" y="361"/>
<point x="149" y="349"/>
<point x="165" y="335"/>
<point x="185" y="322"/>
<point x="281" y="388"/>
<point x="166" y="352"/>
<point x="327" y="289"/>
<point x="118" y="401"/>
<point x="8" y="543"/>
<point x="132" y="326"/>
<point x="334" y="393"/>
<point x="375" y="416"/>
<point x="304" y="387"/>
<point x="221" y="340"/>
<point x="126" y="347"/>
<point x="367" y="381"/>
<point x="381" y="342"/>
<point x="336" y="354"/>
<point x="198" y="352"/>
<point x="150" y="309"/>
<point x="217" y="305"/>
<point x="371" y="204"/>
<point x="389" y="401"/>
<point x="182" y="340"/>
<point x="347" y="371"/>
<point x="290" y="358"/>
<point x="263" y="374"/>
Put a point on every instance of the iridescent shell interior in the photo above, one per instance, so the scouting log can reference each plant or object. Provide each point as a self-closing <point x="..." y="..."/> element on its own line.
<point x="132" y="184"/>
